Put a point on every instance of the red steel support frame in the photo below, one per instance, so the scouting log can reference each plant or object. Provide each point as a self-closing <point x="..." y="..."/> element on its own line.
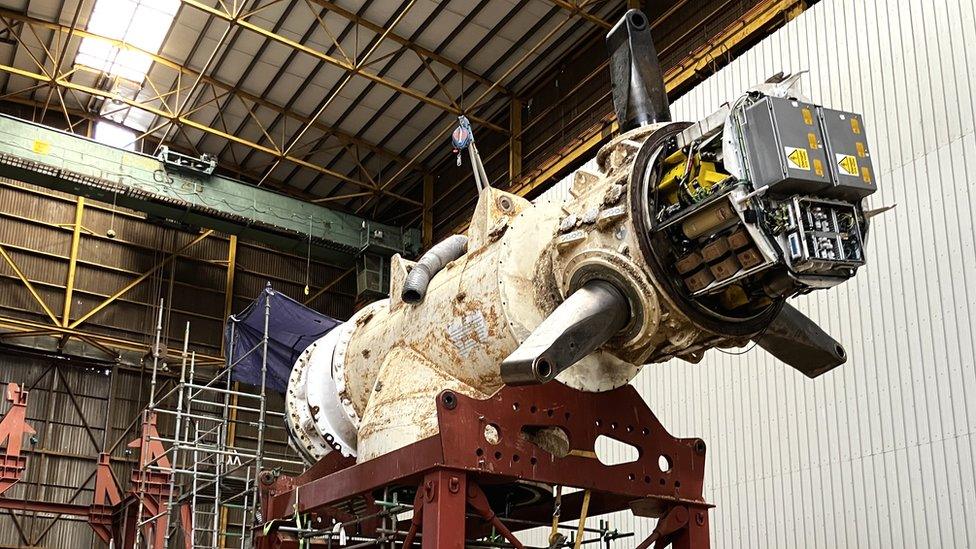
<point x="451" y="470"/>
<point x="13" y="427"/>
<point x="151" y="488"/>
<point x="105" y="499"/>
<point x="109" y="515"/>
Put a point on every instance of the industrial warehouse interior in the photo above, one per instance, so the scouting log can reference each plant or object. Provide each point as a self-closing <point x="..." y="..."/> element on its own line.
<point x="288" y="274"/>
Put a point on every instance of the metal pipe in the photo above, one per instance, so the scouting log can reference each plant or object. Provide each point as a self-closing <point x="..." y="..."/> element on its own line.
<point x="264" y="378"/>
<point x="479" y="544"/>
<point x="582" y="323"/>
<point x="429" y="264"/>
<point x="247" y="486"/>
<point x="178" y="421"/>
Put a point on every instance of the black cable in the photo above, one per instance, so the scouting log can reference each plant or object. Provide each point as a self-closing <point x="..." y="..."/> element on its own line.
<point x="755" y="341"/>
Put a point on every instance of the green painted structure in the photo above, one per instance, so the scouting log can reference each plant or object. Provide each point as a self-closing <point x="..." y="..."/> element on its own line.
<point x="57" y="160"/>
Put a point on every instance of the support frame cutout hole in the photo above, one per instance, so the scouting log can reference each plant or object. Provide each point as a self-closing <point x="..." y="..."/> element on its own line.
<point x="493" y="434"/>
<point x="611" y="451"/>
<point x="664" y="463"/>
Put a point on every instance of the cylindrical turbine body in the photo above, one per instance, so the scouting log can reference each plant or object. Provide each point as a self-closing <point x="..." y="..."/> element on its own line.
<point x="389" y="361"/>
<point x="686" y="236"/>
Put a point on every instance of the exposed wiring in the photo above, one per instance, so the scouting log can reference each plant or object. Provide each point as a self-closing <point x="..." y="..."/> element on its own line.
<point x="755" y="341"/>
<point x="737" y="353"/>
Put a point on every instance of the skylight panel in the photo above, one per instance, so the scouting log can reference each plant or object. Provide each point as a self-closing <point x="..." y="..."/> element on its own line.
<point x="115" y="135"/>
<point x="141" y="23"/>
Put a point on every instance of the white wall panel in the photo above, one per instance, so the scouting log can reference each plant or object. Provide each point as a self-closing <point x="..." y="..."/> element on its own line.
<point x="878" y="453"/>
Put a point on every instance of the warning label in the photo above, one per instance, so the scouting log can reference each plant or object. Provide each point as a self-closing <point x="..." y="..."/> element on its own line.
<point x="818" y="167"/>
<point x="41" y="147"/>
<point x="797" y="158"/>
<point x="847" y="164"/>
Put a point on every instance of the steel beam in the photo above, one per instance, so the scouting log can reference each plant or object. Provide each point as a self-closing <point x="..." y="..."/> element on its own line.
<point x="469" y="16"/>
<point x="42" y="156"/>
<point x="428" y="214"/>
<point x="575" y="9"/>
<point x="181" y="109"/>
<point x="229" y="282"/>
<point x="354" y="68"/>
<point x="13" y="427"/>
<point x="229" y="167"/>
<point x="515" y="140"/>
<point x="30" y="287"/>
<point x="422" y="51"/>
<point x="189" y="72"/>
<point x="125" y="289"/>
<point x="68" y="509"/>
<point x="743" y="29"/>
<point x="471" y="106"/>
<point x="184" y="120"/>
<point x="334" y="282"/>
<point x="340" y="63"/>
<point x="69" y="285"/>
<point x="22" y="325"/>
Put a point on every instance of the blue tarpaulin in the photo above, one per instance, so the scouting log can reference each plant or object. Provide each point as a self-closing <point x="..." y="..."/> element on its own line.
<point x="291" y="328"/>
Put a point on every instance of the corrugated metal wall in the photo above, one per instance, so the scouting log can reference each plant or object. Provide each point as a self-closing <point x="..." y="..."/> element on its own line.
<point x="878" y="453"/>
<point x="60" y="463"/>
<point x="34" y="232"/>
<point x="63" y="459"/>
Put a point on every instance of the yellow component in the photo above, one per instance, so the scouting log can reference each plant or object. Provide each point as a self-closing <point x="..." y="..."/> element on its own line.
<point x="555" y="516"/>
<point x="704" y="175"/>
<point x="734" y="297"/>
<point x="669" y="183"/>
<point x="708" y="175"/>
<point x="41" y="147"/>
<point x="584" y="510"/>
<point x="677" y="157"/>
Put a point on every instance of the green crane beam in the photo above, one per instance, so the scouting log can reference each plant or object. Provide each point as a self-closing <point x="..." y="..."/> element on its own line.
<point x="50" y="158"/>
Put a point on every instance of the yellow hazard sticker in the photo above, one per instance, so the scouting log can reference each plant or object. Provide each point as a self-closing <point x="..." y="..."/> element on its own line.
<point x="847" y="165"/>
<point x="812" y="138"/>
<point x="41" y="147"/>
<point x="855" y="126"/>
<point x="866" y="174"/>
<point x="818" y="167"/>
<point x="807" y="116"/>
<point x="862" y="151"/>
<point x="797" y="158"/>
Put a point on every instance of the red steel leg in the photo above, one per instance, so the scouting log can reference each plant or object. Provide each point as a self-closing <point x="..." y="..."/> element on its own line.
<point x="104" y="500"/>
<point x="444" y="510"/>
<point x="682" y="528"/>
<point x="695" y="534"/>
<point x="13" y="427"/>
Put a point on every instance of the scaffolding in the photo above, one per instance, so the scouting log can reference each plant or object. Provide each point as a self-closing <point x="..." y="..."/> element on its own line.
<point x="212" y="473"/>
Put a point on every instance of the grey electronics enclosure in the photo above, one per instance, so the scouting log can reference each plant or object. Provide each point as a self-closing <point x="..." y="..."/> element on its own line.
<point x="784" y="146"/>
<point x="848" y="154"/>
